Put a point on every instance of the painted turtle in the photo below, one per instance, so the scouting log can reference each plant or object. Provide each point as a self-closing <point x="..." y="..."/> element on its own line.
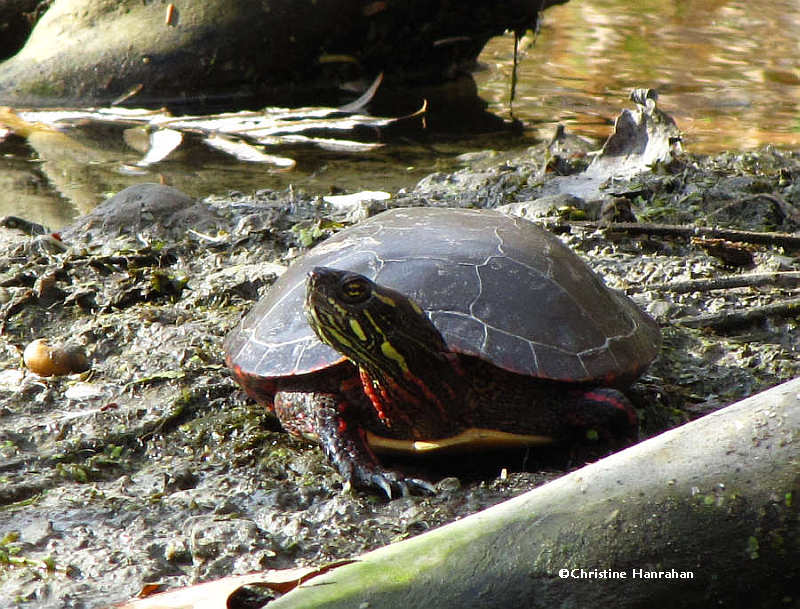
<point x="431" y="327"/>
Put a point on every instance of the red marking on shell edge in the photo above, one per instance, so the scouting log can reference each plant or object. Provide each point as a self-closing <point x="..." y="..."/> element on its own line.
<point x="261" y="389"/>
<point x="604" y="397"/>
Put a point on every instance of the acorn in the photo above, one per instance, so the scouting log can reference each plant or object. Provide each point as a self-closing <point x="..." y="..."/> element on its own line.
<point x="47" y="360"/>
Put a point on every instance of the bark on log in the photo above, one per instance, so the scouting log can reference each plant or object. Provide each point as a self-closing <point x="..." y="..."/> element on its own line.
<point x="717" y="498"/>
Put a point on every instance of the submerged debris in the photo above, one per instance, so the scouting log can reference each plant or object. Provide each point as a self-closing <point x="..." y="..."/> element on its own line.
<point x="240" y="134"/>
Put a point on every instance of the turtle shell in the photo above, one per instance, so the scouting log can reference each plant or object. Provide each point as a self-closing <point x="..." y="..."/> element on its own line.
<point x="497" y="287"/>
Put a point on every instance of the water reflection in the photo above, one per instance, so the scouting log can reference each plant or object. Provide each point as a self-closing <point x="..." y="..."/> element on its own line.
<point x="84" y="164"/>
<point x="727" y="71"/>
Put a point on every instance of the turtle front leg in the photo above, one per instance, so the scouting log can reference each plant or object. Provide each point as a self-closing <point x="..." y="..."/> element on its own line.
<point x="322" y="417"/>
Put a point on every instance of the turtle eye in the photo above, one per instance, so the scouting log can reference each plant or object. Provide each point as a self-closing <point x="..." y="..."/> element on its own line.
<point x="355" y="290"/>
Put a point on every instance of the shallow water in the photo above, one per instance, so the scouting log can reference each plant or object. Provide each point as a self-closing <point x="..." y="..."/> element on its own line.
<point x="728" y="72"/>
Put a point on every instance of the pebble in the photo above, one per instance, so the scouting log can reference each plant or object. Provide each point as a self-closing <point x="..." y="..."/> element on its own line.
<point x="47" y="360"/>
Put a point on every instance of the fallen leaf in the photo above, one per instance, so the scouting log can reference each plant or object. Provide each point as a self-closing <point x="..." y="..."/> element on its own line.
<point x="215" y="594"/>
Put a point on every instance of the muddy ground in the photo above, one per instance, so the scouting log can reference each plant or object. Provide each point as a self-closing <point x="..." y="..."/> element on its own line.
<point x="153" y="467"/>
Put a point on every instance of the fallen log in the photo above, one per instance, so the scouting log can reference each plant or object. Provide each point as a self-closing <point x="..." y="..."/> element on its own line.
<point x="703" y="515"/>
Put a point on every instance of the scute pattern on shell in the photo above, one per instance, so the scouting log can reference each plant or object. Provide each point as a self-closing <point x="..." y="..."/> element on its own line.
<point x="497" y="287"/>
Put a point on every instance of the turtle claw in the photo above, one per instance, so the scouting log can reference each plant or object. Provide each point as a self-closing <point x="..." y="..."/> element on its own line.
<point x="381" y="482"/>
<point x="409" y="486"/>
<point x="421" y="486"/>
<point x="347" y="449"/>
<point x="390" y="483"/>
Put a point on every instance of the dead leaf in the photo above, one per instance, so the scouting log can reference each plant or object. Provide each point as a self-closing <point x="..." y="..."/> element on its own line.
<point x="162" y="143"/>
<point x="215" y="594"/>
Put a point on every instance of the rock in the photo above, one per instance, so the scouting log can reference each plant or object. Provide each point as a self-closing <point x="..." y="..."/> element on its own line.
<point x="54" y="360"/>
<point x="150" y="210"/>
<point x="16" y="22"/>
<point x="548" y="205"/>
<point x="212" y="50"/>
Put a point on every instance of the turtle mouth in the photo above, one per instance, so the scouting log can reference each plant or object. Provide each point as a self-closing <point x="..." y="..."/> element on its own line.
<point x="313" y="281"/>
<point x="321" y="288"/>
<point x="326" y="306"/>
<point x="317" y="284"/>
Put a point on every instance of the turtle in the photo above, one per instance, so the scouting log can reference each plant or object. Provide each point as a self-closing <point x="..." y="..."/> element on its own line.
<point x="428" y="328"/>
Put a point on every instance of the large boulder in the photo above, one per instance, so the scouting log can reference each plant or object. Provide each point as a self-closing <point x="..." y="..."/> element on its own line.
<point x="16" y="21"/>
<point x="92" y="52"/>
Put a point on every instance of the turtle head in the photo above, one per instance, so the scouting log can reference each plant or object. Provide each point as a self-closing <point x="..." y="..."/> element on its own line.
<point x="377" y="328"/>
<point x="406" y="370"/>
